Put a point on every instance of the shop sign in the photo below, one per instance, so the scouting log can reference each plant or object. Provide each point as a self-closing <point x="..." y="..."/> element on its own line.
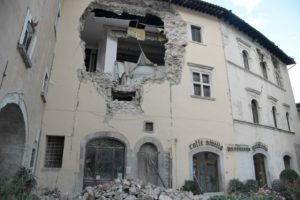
<point x="206" y="142"/>
<point x="238" y="147"/>
<point x="259" y="145"/>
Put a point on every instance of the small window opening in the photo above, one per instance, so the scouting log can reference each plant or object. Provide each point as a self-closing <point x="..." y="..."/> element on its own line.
<point x="123" y="95"/>
<point x="263" y="66"/>
<point x="148" y="126"/>
<point x="90" y="59"/>
<point x="32" y="159"/>
<point x="54" y="151"/>
<point x="196" y="33"/>
<point x="274" y="116"/>
<point x="45" y="87"/>
<point x="246" y="59"/>
<point x="277" y="72"/>
<point x="287" y="162"/>
<point x="288" y="121"/>
<point x="254" y="111"/>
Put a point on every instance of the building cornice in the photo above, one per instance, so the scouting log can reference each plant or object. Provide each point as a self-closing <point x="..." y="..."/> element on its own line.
<point x="262" y="126"/>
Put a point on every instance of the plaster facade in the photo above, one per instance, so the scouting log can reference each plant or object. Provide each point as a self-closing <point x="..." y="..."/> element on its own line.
<point x="21" y="105"/>
<point x="191" y="119"/>
<point x="77" y="110"/>
<point x="280" y="137"/>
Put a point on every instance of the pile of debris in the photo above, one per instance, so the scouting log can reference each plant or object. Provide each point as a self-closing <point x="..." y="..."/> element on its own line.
<point x="131" y="190"/>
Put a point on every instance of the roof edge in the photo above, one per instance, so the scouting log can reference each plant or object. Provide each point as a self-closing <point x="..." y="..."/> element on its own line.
<point x="232" y="19"/>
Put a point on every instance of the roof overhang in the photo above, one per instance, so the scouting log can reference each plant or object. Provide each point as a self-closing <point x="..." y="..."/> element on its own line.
<point x="235" y="21"/>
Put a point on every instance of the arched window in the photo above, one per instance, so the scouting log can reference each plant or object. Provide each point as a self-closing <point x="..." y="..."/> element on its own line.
<point x="274" y="116"/>
<point x="263" y="66"/>
<point x="246" y="59"/>
<point x="254" y="111"/>
<point x="277" y="72"/>
<point x="287" y="162"/>
<point x="288" y="120"/>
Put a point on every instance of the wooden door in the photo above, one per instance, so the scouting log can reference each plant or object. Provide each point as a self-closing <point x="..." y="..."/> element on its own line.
<point x="206" y="171"/>
<point x="148" y="164"/>
<point x="260" y="170"/>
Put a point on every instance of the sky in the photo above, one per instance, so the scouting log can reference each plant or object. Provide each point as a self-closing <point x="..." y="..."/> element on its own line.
<point x="278" y="20"/>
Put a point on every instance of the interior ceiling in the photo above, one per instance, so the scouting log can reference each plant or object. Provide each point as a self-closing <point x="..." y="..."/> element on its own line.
<point x="94" y="30"/>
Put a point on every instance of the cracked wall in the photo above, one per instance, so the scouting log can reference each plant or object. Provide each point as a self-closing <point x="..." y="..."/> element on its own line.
<point x="176" y="34"/>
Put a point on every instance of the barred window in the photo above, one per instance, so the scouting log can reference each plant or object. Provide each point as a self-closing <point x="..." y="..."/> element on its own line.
<point x="54" y="151"/>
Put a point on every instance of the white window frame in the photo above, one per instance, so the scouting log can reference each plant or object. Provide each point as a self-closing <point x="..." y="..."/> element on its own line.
<point x="201" y="33"/>
<point x="27" y="54"/>
<point x="201" y="71"/>
<point x="45" y="86"/>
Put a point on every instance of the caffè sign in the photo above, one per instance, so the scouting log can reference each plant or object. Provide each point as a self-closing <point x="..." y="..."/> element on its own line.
<point x="206" y="142"/>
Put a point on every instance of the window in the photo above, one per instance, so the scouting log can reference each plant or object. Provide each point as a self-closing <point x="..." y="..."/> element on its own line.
<point x="148" y="126"/>
<point x="196" y="34"/>
<point x="245" y="59"/>
<point x="32" y="157"/>
<point x="27" y="40"/>
<point x="201" y="84"/>
<point x="254" y="111"/>
<point x="274" y="116"/>
<point x="45" y="87"/>
<point x="287" y="162"/>
<point x="90" y="59"/>
<point x="277" y="72"/>
<point x="288" y="120"/>
<point x="54" y="151"/>
<point x="263" y="66"/>
<point x="56" y="24"/>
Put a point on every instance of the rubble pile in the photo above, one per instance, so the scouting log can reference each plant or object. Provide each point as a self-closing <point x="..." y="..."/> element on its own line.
<point x="131" y="190"/>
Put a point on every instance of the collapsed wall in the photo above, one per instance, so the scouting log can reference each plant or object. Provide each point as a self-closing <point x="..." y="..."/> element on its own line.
<point x="126" y="96"/>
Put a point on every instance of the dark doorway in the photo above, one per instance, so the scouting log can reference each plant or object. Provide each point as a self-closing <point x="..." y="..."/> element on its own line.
<point x="205" y="170"/>
<point x="104" y="161"/>
<point x="260" y="169"/>
<point x="12" y="139"/>
<point x="148" y="164"/>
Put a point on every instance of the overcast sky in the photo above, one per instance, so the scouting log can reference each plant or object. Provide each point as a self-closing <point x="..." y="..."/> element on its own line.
<point x="279" y="20"/>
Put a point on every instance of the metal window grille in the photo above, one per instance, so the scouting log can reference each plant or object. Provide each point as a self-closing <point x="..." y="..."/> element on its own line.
<point x="54" y="151"/>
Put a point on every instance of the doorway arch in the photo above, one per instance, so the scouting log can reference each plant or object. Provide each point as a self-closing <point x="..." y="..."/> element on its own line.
<point x="148" y="164"/>
<point x="104" y="161"/>
<point x="206" y="171"/>
<point x="12" y="139"/>
<point x="260" y="168"/>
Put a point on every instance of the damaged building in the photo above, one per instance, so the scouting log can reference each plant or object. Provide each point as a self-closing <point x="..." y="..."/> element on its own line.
<point x="146" y="89"/>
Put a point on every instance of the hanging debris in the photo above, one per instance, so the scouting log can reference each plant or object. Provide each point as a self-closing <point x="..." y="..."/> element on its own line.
<point x="128" y="44"/>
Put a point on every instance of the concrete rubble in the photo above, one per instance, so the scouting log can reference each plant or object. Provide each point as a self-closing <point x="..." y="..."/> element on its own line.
<point x="176" y="34"/>
<point x="132" y="190"/>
